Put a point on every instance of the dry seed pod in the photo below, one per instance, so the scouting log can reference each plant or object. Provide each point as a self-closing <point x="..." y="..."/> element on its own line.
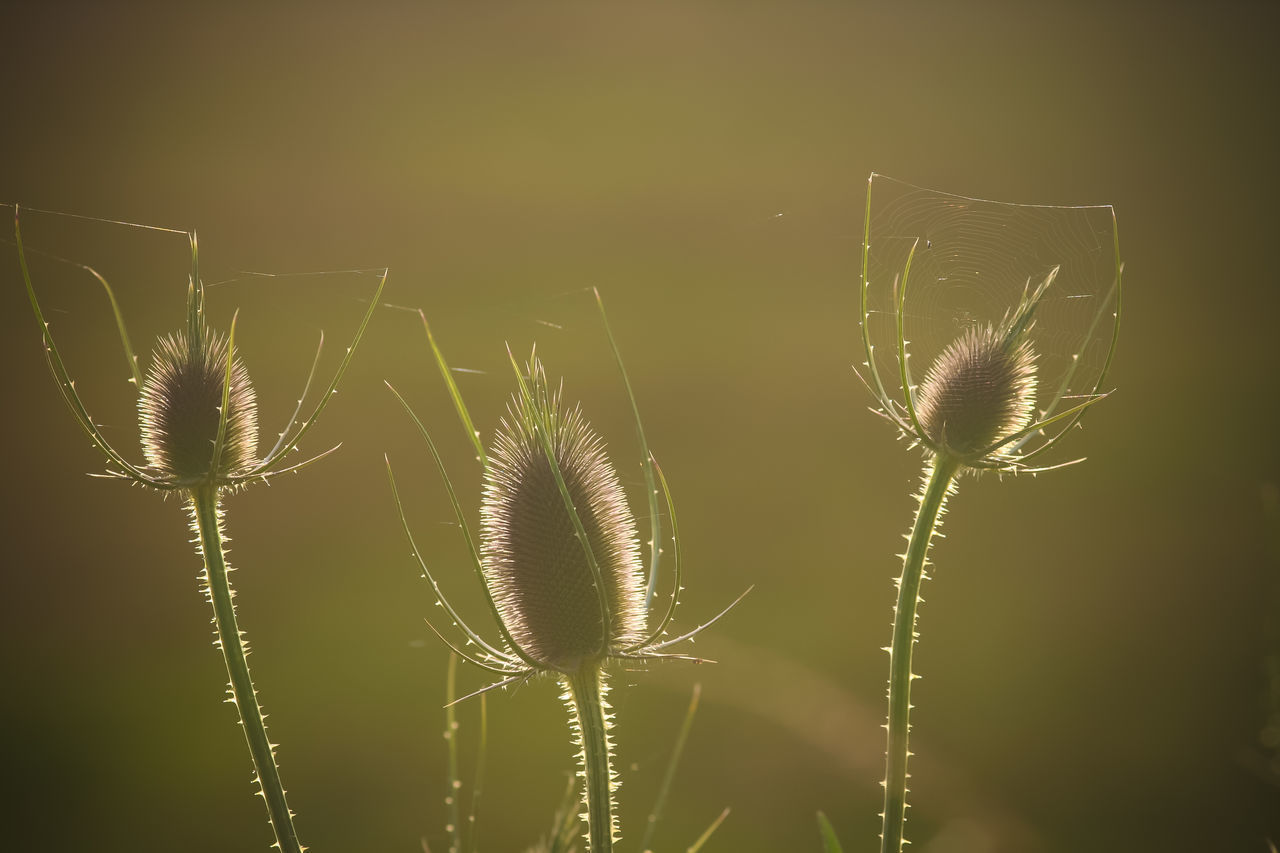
<point x="540" y="574"/>
<point x="180" y="405"/>
<point x="979" y="391"/>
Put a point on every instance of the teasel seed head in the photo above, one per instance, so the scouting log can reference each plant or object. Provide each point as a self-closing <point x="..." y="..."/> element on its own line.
<point x="541" y="579"/>
<point x="179" y="410"/>
<point x="980" y="390"/>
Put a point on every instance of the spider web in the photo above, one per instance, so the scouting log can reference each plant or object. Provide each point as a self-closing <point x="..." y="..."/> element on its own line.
<point x="76" y="260"/>
<point x="972" y="263"/>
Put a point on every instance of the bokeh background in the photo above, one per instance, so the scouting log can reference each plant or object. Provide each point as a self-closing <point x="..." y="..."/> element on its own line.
<point x="1099" y="646"/>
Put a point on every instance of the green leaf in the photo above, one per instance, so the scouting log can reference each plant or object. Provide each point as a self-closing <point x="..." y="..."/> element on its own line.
<point x="830" y="844"/>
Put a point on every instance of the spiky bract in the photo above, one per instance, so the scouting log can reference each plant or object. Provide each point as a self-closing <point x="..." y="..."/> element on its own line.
<point x="539" y="572"/>
<point x="979" y="391"/>
<point x="180" y="406"/>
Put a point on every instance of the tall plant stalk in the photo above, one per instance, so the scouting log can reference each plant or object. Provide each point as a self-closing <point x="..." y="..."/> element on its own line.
<point x="585" y="695"/>
<point x="206" y="515"/>
<point x="940" y="477"/>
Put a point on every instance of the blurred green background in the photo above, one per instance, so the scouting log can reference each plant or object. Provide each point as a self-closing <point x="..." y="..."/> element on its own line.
<point x="1095" y="643"/>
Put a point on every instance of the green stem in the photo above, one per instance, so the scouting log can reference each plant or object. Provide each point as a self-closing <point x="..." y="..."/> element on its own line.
<point x="941" y="475"/>
<point x="208" y="522"/>
<point x="586" y="697"/>
<point x="664" y="790"/>
<point x="451" y="738"/>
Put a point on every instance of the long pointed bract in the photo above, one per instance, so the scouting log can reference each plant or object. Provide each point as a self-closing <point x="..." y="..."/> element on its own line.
<point x="543" y="430"/>
<point x="705" y="625"/>
<point x="867" y="346"/>
<point x="459" y="406"/>
<point x="476" y="563"/>
<point x="651" y="489"/>
<point x="224" y="410"/>
<point x="306" y="387"/>
<point x="904" y="371"/>
<point x="426" y="573"/>
<point x="66" y="387"/>
<point x="135" y="375"/>
<point x="292" y="443"/>
<point x="675" y="547"/>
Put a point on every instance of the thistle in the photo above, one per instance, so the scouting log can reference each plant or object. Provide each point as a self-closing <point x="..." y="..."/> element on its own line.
<point x="543" y="581"/>
<point x="974" y="410"/>
<point x="180" y="410"/>
<point x="198" y="420"/>
<point x="560" y="563"/>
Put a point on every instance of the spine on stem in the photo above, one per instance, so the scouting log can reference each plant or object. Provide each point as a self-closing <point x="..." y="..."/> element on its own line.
<point x="585" y="692"/>
<point x="939" y="481"/>
<point x="207" y="519"/>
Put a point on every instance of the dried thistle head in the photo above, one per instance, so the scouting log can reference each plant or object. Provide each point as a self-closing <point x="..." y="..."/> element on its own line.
<point x="978" y="396"/>
<point x="180" y="407"/>
<point x="540" y="575"/>
<point x="977" y="393"/>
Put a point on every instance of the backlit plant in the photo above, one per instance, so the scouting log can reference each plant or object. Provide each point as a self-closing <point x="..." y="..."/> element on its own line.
<point x="559" y="560"/>
<point x="198" y="420"/>
<point x="982" y="404"/>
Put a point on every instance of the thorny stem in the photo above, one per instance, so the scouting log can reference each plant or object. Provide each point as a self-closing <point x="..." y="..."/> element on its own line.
<point x="585" y="692"/>
<point x="940" y="478"/>
<point x="208" y="521"/>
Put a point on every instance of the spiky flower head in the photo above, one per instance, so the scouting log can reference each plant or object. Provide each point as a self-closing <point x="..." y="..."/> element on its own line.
<point x="979" y="391"/>
<point x="559" y="608"/>
<point x="180" y="407"/>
